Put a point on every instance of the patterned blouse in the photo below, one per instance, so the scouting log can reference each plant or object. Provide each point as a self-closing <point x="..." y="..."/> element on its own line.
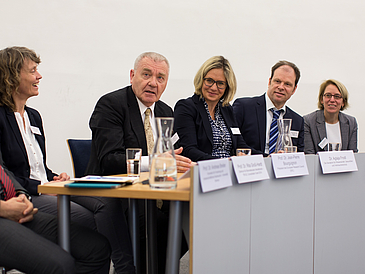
<point x="222" y="142"/>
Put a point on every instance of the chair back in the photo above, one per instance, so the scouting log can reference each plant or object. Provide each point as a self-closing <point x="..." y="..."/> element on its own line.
<point x="80" y="153"/>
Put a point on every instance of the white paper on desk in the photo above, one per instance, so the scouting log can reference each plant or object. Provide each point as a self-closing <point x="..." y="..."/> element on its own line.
<point x="185" y="175"/>
<point x="289" y="164"/>
<point x="337" y="161"/>
<point x="106" y="179"/>
<point x="214" y="174"/>
<point x="249" y="168"/>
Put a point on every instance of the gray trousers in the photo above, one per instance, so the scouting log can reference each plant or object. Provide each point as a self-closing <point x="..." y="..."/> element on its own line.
<point x="102" y="214"/>
<point x="32" y="247"/>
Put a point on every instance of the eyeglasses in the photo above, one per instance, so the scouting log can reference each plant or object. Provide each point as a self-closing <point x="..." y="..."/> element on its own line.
<point x="329" y="96"/>
<point x="210" y="82"/>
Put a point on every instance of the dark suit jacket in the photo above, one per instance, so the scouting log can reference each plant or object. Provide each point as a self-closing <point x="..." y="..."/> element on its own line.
<point x="315" y="131"/>
<point x="195" y="132"/>
<point x="116" y="125"/>
<point x="250" y="114"/>
<point x="13" y="150"/>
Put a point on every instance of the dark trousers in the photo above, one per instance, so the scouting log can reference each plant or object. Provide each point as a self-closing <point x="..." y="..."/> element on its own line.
<point x="32" y="247"/>
<point x="162" y="221"/>
<point x="102" y="214"/>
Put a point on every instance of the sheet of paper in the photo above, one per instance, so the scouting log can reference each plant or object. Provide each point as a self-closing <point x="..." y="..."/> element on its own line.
<point x="106" y="179"/>
<point x="289" y="164"/>
<point x="337" y="161"/>
<point x="185" y="175"/>
<point x="249" y="168"/>
<point x="214" y="174"/>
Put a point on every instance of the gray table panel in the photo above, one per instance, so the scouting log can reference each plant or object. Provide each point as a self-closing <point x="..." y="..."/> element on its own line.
<point x="221" y="229"/>
<point x="340" y="221"/>
<point x="282" y="224"/>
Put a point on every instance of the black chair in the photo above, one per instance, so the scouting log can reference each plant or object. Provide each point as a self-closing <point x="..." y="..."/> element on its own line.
<point x="80" y="153"/>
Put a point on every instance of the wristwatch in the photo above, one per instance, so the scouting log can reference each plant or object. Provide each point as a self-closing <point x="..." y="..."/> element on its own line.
<point x="25" y="193"/>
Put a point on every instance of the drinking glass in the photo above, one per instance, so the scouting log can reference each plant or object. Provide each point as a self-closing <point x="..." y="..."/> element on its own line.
<point x="243" y="151"/>
<point x="134" y="161"/>
<point x="334" y="146"/>
<point x="290" y="149"/>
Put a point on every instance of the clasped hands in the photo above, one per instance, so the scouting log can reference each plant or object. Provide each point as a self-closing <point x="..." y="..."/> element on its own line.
<point x="18" y="209"/>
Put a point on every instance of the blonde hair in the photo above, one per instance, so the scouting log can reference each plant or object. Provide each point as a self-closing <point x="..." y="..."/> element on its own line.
<point x="213" y="63"/>
<point x="341" y="88"/>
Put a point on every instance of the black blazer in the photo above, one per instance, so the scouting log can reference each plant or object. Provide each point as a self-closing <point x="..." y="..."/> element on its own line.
<point x="13" y="150"/>
<point x="250" y="114"/>
<point x="116" y="125"/>
<point x="195" y="132"/>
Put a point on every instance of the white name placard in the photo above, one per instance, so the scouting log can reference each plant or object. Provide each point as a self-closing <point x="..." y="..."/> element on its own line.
<point x="289" y="164"/>
<point x="337" y="161"/>
<point x="249" y="168"/>
<point x="214" y="174"/>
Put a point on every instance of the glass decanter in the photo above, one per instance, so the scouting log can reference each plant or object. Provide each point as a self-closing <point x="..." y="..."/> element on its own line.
<point x="163" y="174"/>
<point x="284" y="137"/>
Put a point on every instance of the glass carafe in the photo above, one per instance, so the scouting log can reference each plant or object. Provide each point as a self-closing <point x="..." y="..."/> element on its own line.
<point x="284" y="137"/>
<point x="163" y="163"/>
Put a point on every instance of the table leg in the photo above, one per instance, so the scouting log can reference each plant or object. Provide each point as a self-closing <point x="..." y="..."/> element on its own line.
<point x="63" y="202"/>
<point x="151" y="236"/>
<point x="134" y="232"/>
<point x="174" y="238"/>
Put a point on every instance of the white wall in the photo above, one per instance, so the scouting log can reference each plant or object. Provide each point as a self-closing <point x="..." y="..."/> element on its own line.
<point x="88" y="47"/>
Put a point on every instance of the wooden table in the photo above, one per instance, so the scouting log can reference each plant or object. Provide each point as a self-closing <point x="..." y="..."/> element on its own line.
<point x="137" y="191"/>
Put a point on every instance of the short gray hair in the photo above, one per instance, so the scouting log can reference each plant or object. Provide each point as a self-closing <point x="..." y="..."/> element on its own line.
<point x="152" y="55"/>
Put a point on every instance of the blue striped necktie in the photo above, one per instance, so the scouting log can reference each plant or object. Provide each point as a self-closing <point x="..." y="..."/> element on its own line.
<point x="274" y="130"/>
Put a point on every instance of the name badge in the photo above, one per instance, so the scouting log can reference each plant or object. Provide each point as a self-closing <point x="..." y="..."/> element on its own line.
<point x="35" y="130"/>
<point x="294" y="133"/>
<point x="235" y="131"/>
<point x="175" y="138"/>
<point x="323" y="143"/>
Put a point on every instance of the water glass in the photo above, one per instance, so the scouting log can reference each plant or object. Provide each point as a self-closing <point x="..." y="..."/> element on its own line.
<point x="334" y="146"/>
<point x="243" y="151"/>
<point x="290" y="149"/>
<point x="133" y="156"/>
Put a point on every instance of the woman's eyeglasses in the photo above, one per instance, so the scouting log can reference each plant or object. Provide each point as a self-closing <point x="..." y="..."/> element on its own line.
<point x="329" y="96"/>
<point x="210" y="82"/>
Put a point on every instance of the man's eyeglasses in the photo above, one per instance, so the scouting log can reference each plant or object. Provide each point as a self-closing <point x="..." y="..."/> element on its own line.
<point x="329" y="96"/>
<point x="210" y="82"/>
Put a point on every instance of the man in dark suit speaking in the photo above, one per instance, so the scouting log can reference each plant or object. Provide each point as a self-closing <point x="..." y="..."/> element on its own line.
<point x="255" y="115"/>
<point x="118" y="120"/>
<point x="124" y="119"/>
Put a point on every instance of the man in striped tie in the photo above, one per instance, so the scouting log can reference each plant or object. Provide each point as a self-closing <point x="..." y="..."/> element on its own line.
<point x="257" y="116"/>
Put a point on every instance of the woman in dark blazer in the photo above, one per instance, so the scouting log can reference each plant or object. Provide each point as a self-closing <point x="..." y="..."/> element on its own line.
<point x="22" y="145"/>
<point x="329" y="124"/>
<point x="205" y="122"/>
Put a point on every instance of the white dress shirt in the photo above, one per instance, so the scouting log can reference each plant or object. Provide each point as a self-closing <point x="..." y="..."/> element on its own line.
<point x="34" y="152"/>
<point x="333" y="133"/>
